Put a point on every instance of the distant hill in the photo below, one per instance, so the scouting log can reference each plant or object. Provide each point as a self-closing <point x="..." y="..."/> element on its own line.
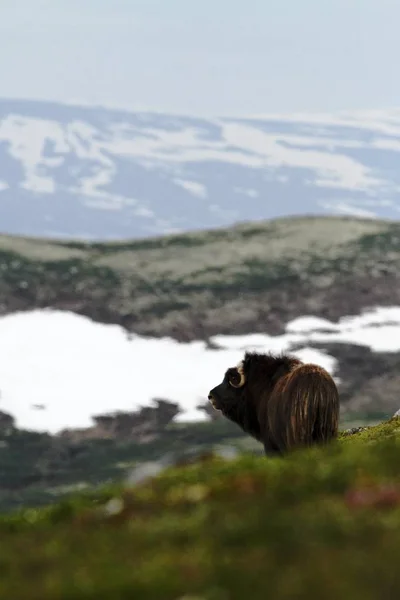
<point x="90" y="172"/>
<point x="249" y="278"/>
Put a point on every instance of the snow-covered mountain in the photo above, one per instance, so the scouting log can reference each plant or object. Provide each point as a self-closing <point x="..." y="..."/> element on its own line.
<point x="59" y="369"/>
<point x="97" y="173"/>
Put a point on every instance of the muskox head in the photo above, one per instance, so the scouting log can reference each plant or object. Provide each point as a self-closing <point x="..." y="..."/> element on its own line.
<point x="245" y="387"/>
<point x="254" y="375"/>
<point x="230" y="390"/>
<point x="235" y="395"/>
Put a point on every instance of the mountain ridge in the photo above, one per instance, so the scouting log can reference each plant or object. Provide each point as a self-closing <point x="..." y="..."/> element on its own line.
<point x="100" y="173"/>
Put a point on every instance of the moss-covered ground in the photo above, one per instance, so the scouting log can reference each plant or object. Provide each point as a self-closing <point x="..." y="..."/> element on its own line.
<point x="36" y="468"/>
<point x="320" y="524"/>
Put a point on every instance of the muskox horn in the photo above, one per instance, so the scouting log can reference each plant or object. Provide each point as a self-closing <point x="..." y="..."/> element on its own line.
<point x="242" y="377"/>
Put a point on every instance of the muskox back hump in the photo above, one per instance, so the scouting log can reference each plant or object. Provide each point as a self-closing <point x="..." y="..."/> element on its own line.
<point x="304" y="408"/>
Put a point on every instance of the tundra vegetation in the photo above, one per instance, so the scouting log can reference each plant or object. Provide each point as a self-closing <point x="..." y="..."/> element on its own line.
<point x="243" y="279"/>
<point x="38" y="468"/>
<point x="319" y="523"/>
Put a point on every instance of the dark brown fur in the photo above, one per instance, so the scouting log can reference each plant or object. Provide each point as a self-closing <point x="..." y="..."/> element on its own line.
<point x="284" y="403"/>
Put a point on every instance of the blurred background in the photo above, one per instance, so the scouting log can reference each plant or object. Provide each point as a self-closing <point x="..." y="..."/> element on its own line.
<point x="181" y="182"/>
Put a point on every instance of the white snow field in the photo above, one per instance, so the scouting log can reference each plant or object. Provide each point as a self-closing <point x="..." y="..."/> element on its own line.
<point x="58" y="369"/>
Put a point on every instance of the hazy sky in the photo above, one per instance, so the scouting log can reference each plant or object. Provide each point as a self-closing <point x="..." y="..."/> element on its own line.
<point x="203" y="56"/>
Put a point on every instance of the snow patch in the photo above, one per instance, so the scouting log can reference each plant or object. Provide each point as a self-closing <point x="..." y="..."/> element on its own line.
<point x="193" y="187"/>
<point x="344" y="208"/>
<point x="74" y="368"/>
<point x="27" y="138"/>
<point x="250" y="192"/>
<point x="336" y="170"/>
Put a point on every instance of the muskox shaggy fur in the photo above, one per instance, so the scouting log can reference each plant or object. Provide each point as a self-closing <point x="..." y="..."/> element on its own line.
<point x="280" y="401"/>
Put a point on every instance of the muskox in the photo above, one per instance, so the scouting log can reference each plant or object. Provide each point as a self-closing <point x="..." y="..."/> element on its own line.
<point x="280" y="401"/>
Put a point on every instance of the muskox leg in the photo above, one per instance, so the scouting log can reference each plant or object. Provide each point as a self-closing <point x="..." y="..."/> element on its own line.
<point x="271" y="450"/>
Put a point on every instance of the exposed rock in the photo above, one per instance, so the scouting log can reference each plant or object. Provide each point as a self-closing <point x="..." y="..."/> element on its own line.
<point x="143" y="425"/>
<point x="144" y="471"/>
<point x="7" y="423"/>
<point x="353" y="430"/>
<point x="147" y="470"/>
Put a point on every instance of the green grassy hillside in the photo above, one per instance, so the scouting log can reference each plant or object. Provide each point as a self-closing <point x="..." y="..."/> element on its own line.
<point x="240" y="279"/>
<point x="37" y="468"/>
<point x="322" y="523"/>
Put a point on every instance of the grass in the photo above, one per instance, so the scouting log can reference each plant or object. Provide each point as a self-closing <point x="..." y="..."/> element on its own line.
<point x="321" y="523"/>
<point x="36" y="468"/>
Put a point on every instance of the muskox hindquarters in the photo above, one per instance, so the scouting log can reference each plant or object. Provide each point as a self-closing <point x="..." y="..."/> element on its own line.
<point x="303" y="410"/>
